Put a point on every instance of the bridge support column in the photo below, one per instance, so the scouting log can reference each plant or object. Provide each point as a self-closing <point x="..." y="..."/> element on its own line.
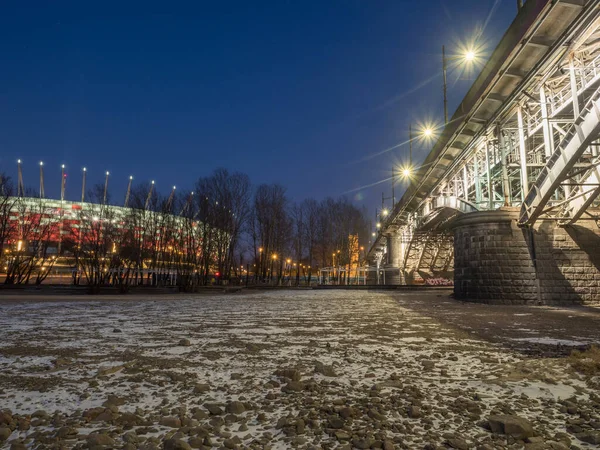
<point x="496" y="261"/>
<point x="394" y="259"/>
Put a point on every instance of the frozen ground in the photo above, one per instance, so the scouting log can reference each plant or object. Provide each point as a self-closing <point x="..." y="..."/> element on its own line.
<point x="283" y="369"/>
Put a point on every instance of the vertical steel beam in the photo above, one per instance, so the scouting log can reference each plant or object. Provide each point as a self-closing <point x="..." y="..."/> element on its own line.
<point x="488" y="170"/>
<point x="548" y="142"/>
<point x="573" y="79"/>
<point x="503" y="162"/>
<point x="522" y="155"/>
<point x="466" y="183"/>
<point x="477" y="180"/>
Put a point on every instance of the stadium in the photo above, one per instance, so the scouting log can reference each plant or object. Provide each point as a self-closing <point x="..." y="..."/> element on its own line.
<point x="95" y="243"/>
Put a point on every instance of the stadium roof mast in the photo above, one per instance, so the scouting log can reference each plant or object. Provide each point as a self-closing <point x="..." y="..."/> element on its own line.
<point x="63" y="182"/>
<point x="128" y="190"/>
<point x="187" y="203"/>
<point x="170" y="200"/>
<point x="149" y="194"/>
<point x="83" y="185"/>
<point x="20" y="188"/>
<point x="42" y="194"/>
<point x="105" y="187"/>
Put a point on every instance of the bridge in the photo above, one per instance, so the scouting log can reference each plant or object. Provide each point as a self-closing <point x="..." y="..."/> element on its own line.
<point x="507" y="201"/>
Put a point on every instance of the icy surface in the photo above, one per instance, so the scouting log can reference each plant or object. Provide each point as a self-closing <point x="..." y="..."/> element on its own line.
<point x="68" y="356"/>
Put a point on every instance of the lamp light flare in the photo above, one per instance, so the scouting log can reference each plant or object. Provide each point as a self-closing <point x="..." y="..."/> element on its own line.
<point x="385" y="212"/>
<point x="470" y="55"/>
<point x="18" y="161"/>
<point x="428" y="132"/>
<point x="41" y="163"/>
<point x="406" y="172"/>
<point x="84" y="169"/>
<point x="131" y="177"/>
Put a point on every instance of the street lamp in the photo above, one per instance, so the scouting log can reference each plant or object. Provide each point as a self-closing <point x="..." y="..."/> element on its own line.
<point x="467" y="56"/>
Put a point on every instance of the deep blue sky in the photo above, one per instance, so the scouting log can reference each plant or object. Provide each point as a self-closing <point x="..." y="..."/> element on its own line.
<point x="293" y="92"/>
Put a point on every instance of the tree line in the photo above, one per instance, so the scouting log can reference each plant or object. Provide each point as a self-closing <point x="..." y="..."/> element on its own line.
<point x="225" y="229"/>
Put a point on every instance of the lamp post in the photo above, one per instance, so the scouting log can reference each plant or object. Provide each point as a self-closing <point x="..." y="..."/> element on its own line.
<point x="468" y="56"/>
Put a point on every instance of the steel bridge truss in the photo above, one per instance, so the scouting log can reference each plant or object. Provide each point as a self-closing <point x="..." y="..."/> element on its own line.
<point x="544" y="153"/>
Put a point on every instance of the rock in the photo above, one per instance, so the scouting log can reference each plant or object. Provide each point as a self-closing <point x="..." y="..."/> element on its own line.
<point x="100" y="439"/>
<point x="235" y="407"/>
<point x="18" y="445"/>
<point x="213" y="408"/>
<point x="176" y="444"/>
<point x="196" y="442"/>
<point x="414" y="412"/>
<point x="201" y="388"/>
<point x="39" y="414"/>
<point x="293" y="386"/>
<point x="232" y="443"/>
<point x="335" y="422"/>
<point x="458" y="443"/>
<point x="428" y="365"/>
<point x="324" y="369"/>
<point x="388" y="445"/>
<point x="347" y="412"/>
<point x="292" y="374"/>
<point x="170" y="421"/>
<point x="590" y="437"/>
<point x="185" y="343"/>
<point x="252" y="348"/>
<point x="67" y="433"/>
<point x="128" y="420"/>
<point x="364" y="443"/>
<point x="514" y="426"/>
<point x="114" y="400"/>
<point x="342" y="436"/>
<point x="5" y="433"/>
<point x="200" y="415"/>
<point x="117" y="330"/>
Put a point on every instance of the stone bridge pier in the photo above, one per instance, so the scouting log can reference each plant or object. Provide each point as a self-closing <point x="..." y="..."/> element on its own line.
<point x="496" y="260"/>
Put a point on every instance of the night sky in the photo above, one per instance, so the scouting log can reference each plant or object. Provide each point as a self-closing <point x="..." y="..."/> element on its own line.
<point x="295" y="92"/>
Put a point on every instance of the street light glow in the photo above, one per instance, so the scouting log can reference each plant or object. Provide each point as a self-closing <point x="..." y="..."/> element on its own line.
<point x="385" y="212"/>
<point x="470" y="55"/>
<point x="428" y="132"/>
<point x="406" y="172"/>
<point x="378" y="225"/>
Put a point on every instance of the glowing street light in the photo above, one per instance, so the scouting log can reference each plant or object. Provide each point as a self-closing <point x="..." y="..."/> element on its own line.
<point x="385" y="212"/>
<point x="378" y="225"/>
<point x="468" y="56"/>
